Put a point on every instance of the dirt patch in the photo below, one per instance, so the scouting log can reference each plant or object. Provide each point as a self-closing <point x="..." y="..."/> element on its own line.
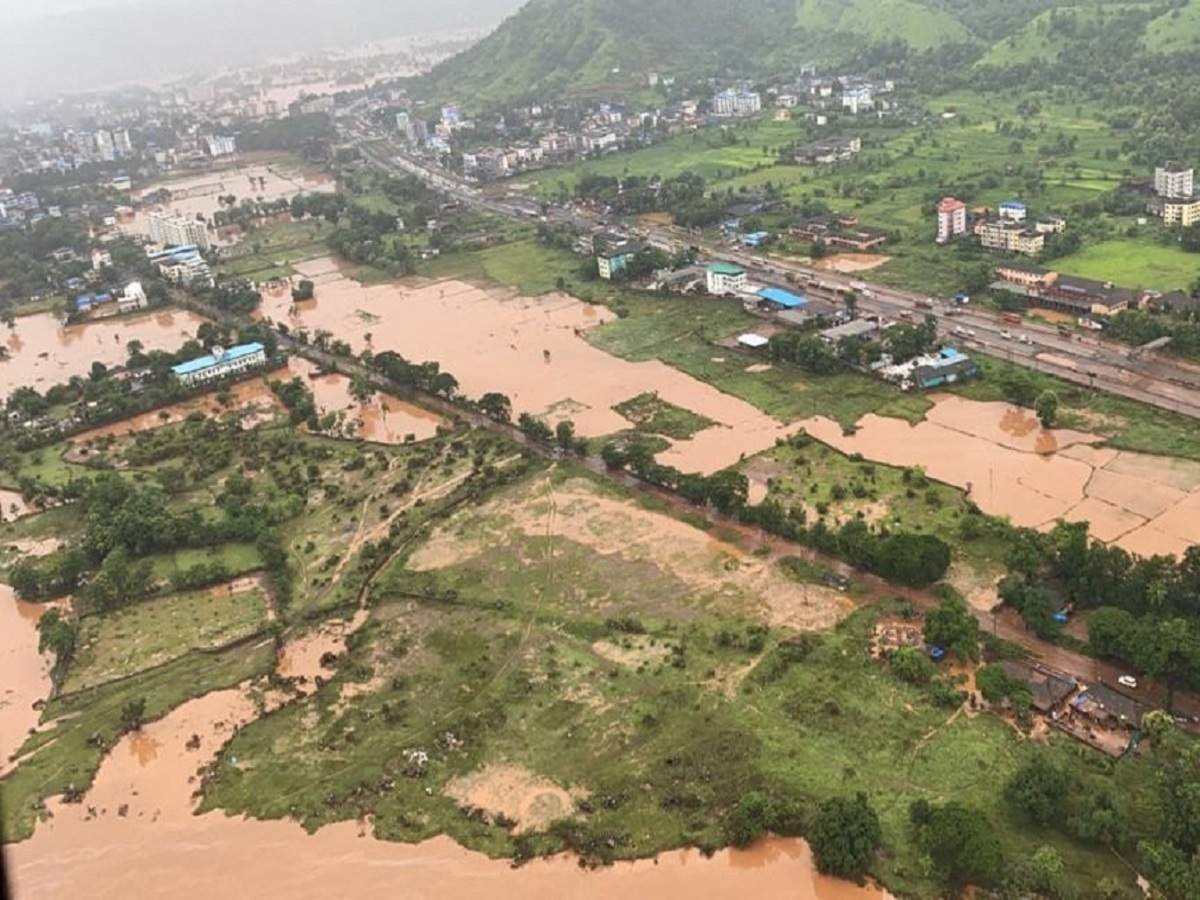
<point x="514" y="794"/>
<point x="850" y="262"/>
<point x="718" y="572"/>
<point x="640" y="652"/>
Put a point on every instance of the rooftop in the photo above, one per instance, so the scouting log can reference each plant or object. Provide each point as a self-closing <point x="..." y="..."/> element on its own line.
<point x="721" y="268"/>
<point x="783" y="298"/>
<point x="207" y="362"/>
<point x="950" y="204"/>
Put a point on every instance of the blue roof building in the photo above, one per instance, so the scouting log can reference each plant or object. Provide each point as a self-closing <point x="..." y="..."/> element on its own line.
<point x="782" y="299"/>
<point x="221" y="362"/>
<point x="83" y="302"/>
<point x="755" y="238"/>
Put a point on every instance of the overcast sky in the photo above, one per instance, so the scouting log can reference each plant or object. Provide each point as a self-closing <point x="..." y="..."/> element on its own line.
<point x="74" y="45"/>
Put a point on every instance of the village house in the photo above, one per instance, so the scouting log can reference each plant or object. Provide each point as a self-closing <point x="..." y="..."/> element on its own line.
<point x="842" y="232"/>
<point x="827" y="151"/>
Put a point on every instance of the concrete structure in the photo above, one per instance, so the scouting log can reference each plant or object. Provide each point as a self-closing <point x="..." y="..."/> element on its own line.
<point x="100" y="259"/>
<point x="177" y="231"/>
<point x="1184" y="212"/>
<point x="1050" y="224"/>
<point x="827" y="151"/>
<point x="1009" y="236"/>
<point x="183" y="265"/>
<point x="752" y="341"/>
<point x="777" y="298"/>
<point x="725" y="278"/>
<point x="736" y="103"/>
<point x="843" y="232"/>
<point x="613" y="253"/>
<point x="858" y="99"/>
<point x="951" y="219"/>
<point x="220" y="363"/>
<point x="132" y="298"/>
<point x="1013" y="210"/>
<point x="1173" y="180"/>
<point x="852" y="329"/>
<point x="219" y="146"/>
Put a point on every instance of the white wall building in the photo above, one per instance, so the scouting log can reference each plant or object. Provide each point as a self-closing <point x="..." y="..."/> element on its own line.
<point x="177" y="231"/>
<point x="1173" y="181"/>
<point x="725" y="278"/>
<point x="221" y="362"/>
<point x="951" y="219"/>
<point x="736" y="103"/>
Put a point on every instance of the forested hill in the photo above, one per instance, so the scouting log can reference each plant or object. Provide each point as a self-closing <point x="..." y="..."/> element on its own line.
<point x="553" y="47"/>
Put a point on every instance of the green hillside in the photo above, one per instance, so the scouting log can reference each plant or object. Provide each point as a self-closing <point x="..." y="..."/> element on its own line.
<point x="1046" y="35"/>
<point x="1175" y="31"/>
<point x="920" y="26"/>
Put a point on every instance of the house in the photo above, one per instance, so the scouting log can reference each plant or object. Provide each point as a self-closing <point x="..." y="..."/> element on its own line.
<point x="1047" y="689"/>
<point x="1050" y="224"/>
<point x="1012" y="210"/>
<point x="755" y="238"/>
<point x="1025" y="275"/>
<point x="725" y="278"/>
<point x="100" y="259"/>
<point x="947" y="366"/>
<point x="221" y="362"/>
<point x="1110" y="709"/>
<point x="774" y="299"/>
<point x="853" y="329"/>
<point x="841" y="232"/>
<point x="827" y="151"/>
<point x="1173" y="302"/>
<point x="132" y="298"/>
<point x="857" y="99"/>
<point x="951" y="219"/>
<point x="1084" y="296"/>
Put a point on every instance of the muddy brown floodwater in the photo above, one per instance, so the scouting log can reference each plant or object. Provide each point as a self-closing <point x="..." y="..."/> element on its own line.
<point x="532" y="349"/>
<point x="42" y="352"/>
<point x="1013" y="467"/>
<point x="143" y="840"/>
<point x="24" y="673"/>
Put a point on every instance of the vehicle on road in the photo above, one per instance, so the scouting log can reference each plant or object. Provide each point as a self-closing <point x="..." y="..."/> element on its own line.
<point x="1128" y="681"/>
<point x="1011" y="318"/>
<point x="1006" y="334"/>
<point x="1024" y="339"/>
<point x="961" y="332"/>
<point x="925" y="303"/>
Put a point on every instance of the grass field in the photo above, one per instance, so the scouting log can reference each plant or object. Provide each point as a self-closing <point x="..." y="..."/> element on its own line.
<point x="144" y="635"/>
<point x="653" y="415"/>
<point x="1135" y="264"/>
<point x="599" y="671"/>
<point x="269" y="251"/>
<point x="237" y="558"/>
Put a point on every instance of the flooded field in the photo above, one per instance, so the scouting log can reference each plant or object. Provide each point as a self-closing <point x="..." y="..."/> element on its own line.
<point x="42" y="352"/>
<point x="201" y="194"/>
<point x="136" y="828"/>
<point x="25" y="672"/>
<point x="381" y="419"/>
<point x="531" y="349"/>
<point x="1013" y="467"/>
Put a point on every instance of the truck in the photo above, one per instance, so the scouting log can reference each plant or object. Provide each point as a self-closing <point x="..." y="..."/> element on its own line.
<point x="1011" y="318"/>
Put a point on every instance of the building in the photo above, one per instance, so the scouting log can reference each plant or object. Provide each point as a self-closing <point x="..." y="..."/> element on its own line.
<point x="951" y="219"/>
<point x="177" y="231"/>
<point x="1009" y="236"/>
<point x="755" y="238"/>
<point x="1023" y="275"/>
<point x="122" y="144"/>
<point x="132" y="298"/>
<point x="614" y="253"/>
<point x="183" y="265"/>
<point x="1012" y="210"/>
<point x="1184" y="212"/>
<point x="856" y="328"/>
<point x="100" y="259"/>
<point x="1046" y="689"/>
<point x="777" y="299"/>
<point x="1050" y="224"/>
<point x="858" y="99"/>
<point x="221" y="363"/>
<point x="1173" y="180"/>
<point x="1110" y="709"/>
<point x="725" y="278"/>
<point x="947" y="366"/>
<point x="827" y="151"/>
<point x="105" y="148"/>
<point x="219" y="146"/>
<point x="1084" y="296"/>
<point x="842" y="232"/>
<point x="752" y="341"/>
<point x="736" y="103"/>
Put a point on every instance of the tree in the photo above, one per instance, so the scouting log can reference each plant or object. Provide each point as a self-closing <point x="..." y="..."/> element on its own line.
<point x="58" y="636"/>
<point x="1047" y="408"/>
<point x="362" y="389"/>
<point x="1038" y="790"/>
<point x="844" y="836"/>
<point x="1039" y="875"/>
<point x="304" y="290"/>
<point x="133" y="714"/>
<point x="952" y="625"/>
<point x="748" y="820"/>
<point x="496" y="406"/>
<point x="959" y="841"/>
<point x="564" y="434"/>
<point x="911" y="665"/>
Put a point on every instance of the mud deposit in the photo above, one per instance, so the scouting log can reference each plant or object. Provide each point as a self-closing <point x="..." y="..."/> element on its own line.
<point x="1013" y="467"/>
<point x="532" y="349"/>
<point x="42" y="352"/>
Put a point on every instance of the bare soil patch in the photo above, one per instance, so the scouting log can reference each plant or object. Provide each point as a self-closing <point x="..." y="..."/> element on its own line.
<point x="516" y="794"/>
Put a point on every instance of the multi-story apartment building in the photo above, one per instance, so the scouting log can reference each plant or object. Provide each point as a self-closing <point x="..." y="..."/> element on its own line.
<point x="951" y="219"/>
<point x="1173" y="180"/>
<point x="177" y="231"/>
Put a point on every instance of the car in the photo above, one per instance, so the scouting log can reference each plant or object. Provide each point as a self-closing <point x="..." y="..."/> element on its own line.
<point x="1128" y="681"/>
<point x="1024" y="339"/>
<point x="1007" y="335"/>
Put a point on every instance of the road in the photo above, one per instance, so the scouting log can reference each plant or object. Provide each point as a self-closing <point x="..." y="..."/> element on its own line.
<point x="1089" y="361"/>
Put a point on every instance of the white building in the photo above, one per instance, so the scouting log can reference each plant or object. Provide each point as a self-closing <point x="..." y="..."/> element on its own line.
<point x="100" y="259"/>
<point x="858" y="99"/>
<point x="133" y="298"/>
<point x="736" y="103"/>
<point x="220" y="363"/>
<point x="725" y="278"/>
<point x="1173" y="181"/>
<point x="951" y="219"/>
<point x="220" y="145"/>
<point x="1012" y="210"/>
<point x="122" y="144"/>
<point x="177" y="231"/>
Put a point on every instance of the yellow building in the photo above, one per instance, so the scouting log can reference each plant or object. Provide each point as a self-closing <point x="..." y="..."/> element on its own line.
<point x="1181" y="212"/>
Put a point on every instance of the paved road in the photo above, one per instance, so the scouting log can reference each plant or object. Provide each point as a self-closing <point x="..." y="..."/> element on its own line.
<point x="1163" y="382"/>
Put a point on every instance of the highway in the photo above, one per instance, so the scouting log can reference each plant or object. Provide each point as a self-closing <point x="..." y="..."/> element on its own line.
<point x="1089" y="361"/>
